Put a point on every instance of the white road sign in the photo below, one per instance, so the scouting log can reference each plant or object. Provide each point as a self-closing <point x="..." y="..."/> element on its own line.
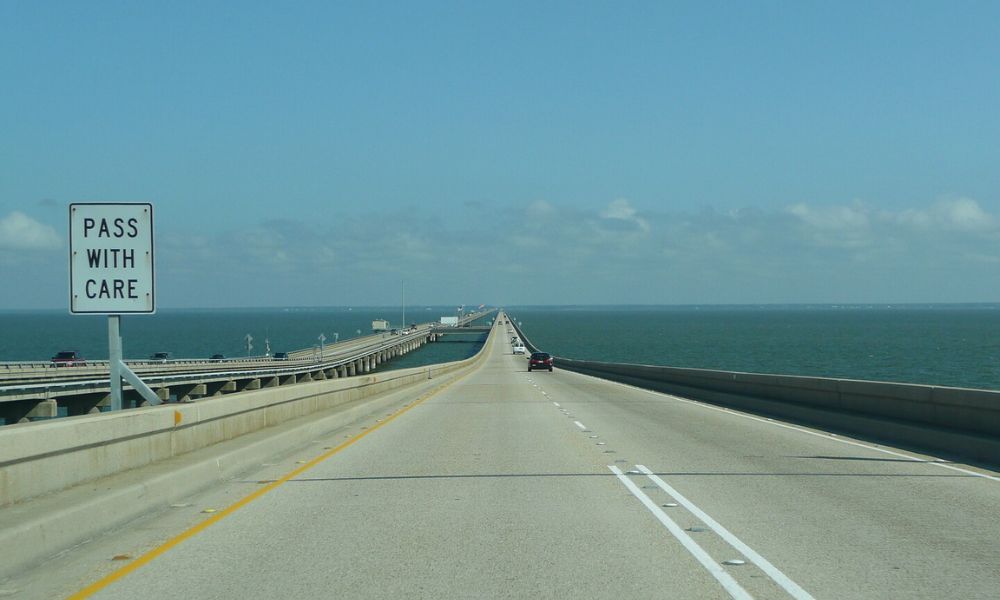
<point x="111" y="259"/>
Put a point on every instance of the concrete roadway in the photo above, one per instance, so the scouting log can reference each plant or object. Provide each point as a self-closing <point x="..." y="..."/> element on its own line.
<point x="504" y="485"/>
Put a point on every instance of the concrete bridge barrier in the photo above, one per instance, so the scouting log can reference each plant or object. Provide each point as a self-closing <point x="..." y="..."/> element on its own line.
<point x="62" y="481"/>
<point x="48" y="456"/>
<point x="954" y="422"/>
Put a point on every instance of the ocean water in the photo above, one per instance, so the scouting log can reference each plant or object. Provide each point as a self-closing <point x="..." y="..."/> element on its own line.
<point x="954" y="345"/>
<point x="951" y="345"/>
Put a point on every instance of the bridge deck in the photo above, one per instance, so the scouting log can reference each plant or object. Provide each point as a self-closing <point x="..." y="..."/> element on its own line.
<point x="504" y="485"/>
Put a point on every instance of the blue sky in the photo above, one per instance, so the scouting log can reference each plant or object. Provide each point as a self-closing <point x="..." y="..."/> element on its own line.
<point x="319" y="153"/>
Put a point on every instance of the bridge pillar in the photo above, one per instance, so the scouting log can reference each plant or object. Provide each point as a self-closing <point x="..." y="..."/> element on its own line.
<point x="366" y="363"/>
<point x="321" y="374"/>
<point x="352" y="368"/>
<point x="191" y="392"/>
<point x="342" y="370"/>
<point x="251" y="384"/>
<point x="46" y="409"/>
<point x="163" y="394"/>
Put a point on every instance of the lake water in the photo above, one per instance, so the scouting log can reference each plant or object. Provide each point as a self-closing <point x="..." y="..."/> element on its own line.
<point x="955" y="345"/>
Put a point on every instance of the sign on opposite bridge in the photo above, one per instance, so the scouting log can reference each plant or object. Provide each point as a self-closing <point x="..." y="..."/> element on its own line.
<point x="111" y="258"/>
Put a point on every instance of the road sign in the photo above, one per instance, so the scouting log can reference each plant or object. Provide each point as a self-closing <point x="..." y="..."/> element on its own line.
<point x="111" y="258"/>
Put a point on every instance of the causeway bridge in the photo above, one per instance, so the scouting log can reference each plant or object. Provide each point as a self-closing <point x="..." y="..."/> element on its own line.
<point x="36" y="390"/>
<point x="480" y="479"/>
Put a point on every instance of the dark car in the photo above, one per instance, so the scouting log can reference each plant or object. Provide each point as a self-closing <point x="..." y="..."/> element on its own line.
<point x="160" y="357"/>
<point x="68" y="358"/>
<point x="217" y="358"/>
<point x="540" y="360"/>
<point x="280" y="356"/>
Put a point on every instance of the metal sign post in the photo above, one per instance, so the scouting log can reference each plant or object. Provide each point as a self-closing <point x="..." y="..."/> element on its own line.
<point x="111" y="272"/>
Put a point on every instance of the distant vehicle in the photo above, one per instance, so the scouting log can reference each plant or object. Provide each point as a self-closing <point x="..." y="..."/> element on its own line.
<point x="160" y="357"/>
<point x="68" y="358"/>
<point x="217" y="358"/>
<point x="540" y="360"/>
<point x="380" y="325"/>
<point x="519" y="349"/>
<point x="395" y="332"/>
<point x="280" y="356"/>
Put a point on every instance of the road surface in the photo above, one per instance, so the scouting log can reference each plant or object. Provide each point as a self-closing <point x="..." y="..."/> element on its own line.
<point x="510" y="484"/>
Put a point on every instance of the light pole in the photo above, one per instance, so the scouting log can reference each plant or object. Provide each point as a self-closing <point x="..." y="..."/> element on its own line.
<point x="322" y="352"/>
<point x="249" y="339"/>
<point x="336" y="337"/>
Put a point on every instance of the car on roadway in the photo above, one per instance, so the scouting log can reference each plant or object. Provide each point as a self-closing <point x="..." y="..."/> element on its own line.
<point x="68" y="358"/>
<point x="280" y="356"/>
<point x="519" y="348"/>
<point x="217" y="358"/>
<point x="160" y="357"/>
<point x="540" y="360"/>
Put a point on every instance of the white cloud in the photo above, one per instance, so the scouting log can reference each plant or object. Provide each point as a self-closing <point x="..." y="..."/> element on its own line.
<point x="548" y="252"/>
<point x="621" y="216"/>
<point x="18" y="231"/>
<point x="835" y="218"/>
<point x="953" y="214"/>
<point x="541" y="209"/>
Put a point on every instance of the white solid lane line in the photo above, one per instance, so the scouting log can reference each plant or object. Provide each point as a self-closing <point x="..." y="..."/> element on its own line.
<point x="715" y="569"/>
<point x="580" y="425"/>
<point x="556" y="403"/>
<point x="780" y="578"/>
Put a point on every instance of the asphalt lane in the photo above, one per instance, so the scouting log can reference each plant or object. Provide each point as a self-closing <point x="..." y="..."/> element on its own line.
<point x="511" y="484"/>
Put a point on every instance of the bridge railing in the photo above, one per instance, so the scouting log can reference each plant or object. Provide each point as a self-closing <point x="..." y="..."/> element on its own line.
<point x="958" y="422"/>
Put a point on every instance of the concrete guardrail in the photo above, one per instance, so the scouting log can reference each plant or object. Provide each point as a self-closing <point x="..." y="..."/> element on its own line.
<point x="48" y="456"/>
<point x="955" y="422"/>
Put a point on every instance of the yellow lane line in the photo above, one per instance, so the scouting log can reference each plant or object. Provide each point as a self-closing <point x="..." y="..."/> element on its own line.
<point x="196" y="529"/>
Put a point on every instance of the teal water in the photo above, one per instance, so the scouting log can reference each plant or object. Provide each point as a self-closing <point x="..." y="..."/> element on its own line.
<point x="953" y="345"/>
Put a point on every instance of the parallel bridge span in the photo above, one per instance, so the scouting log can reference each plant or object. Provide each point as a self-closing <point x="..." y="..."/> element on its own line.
<point x="36" y="390"/>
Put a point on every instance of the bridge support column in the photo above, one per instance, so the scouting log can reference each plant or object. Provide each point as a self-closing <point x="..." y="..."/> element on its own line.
<point x="46" y="409"/>
<point x="352" y="368"/>
<point x="191" y="392"/>
<point x="251" y="384"/>
<point x="342" y="370"/>
<point x="163" y="394"/>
